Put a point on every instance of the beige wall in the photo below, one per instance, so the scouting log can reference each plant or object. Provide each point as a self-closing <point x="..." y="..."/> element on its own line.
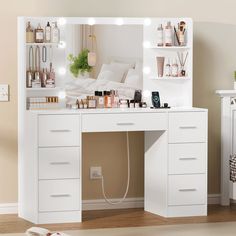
<point x="214" y="57"/>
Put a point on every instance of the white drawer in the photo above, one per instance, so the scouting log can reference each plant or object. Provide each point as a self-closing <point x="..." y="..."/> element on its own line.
<point x="59" y="130"/>
<point x="59" y="195"/>
<point x="187" y="127"/>
<point x="123" y="122"/>
<point x="187" y="189"/>
<point x="59" y="163"/>
<point x="187" y="158"/>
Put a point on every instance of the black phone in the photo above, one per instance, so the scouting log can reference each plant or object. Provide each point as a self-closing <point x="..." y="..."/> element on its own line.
<point x="156" y="102"/>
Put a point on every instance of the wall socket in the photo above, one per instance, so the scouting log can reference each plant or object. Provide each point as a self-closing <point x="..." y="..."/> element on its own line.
<point x="95" y="172"/>
<point x="4" y="92"/>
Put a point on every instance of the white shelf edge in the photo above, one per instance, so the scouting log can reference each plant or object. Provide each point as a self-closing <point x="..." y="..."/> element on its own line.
<point x="170" y="78"/>
<point x="170" y="48"/>
<point x="42" y="44"/>
<point x="42" y="89"/>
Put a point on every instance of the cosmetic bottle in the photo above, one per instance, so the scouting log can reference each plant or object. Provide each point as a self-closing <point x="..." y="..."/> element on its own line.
<point x="168" y="68"/>
<point x="131" y="104"/>
<point x="168" y="34"/>
<point x="85" y="103"/>
<point x="124" y="103"/>
<point x="29" y="79"/>
<point x="116" y="100"/>
<point x="55" y="33"/>
<point x="48" y="33"/>
<point x="91" y="101"/>
<point x="39" y="34"/>
<point x="36" y="83"/>
<point x="160" y="36"/>
<point x="100" y="100"/>
<point x="81" y="105"/>
<point x="44" y="78"/>
<point x="175" y="69"/>
<point x="107" y="99"/>
<point x="29" y="33"/>
<point x="51" y="78"/>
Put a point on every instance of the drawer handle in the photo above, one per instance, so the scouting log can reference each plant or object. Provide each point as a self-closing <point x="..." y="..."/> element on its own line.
<point x="60" y="130"/>
<point x="188" y="127"/>
<point x="60" y="163"/>
<point x="60" y="195"/>
<point x="125" y="123"/>
<point x="187" y="158"/>
<point x="187" y="190"/>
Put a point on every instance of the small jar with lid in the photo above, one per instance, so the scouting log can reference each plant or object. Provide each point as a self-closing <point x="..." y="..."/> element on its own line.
<point x="131" y="104"/>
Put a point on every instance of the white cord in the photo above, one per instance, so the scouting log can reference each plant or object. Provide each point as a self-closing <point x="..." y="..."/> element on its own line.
<point x="128" y="178"/>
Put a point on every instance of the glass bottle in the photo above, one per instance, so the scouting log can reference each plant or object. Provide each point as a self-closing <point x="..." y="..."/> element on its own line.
<point x="168" y="35"/>
<point x="39" y="34"/>
<point x="48" y="33"/>
<point x="29" y="33"/>
<point x="55" y="33"/>
<point x="160" y="36"/>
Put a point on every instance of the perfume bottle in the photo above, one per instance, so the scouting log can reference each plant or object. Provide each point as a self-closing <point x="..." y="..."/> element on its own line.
<point x="168" y="35"/>
<point x="107" y="99"/>
<point x="55" y="33"/>
<point x="39" y="34"/>
<point x="168" y="68"/>
<point x="175" y="69"/>
<point x="160" y="36"/>
<point x="44" y="78"/>
<point x="48" y="33"/>
<point x="29" y="33"/>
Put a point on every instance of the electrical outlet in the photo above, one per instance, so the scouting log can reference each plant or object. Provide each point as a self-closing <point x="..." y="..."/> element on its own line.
<point x="4" y="93"/>
<point x="95" y="172"/>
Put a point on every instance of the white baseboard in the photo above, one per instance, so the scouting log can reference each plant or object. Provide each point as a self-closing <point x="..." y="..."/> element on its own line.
<point x="101" y="204"/>
<point x="213" y="199"/>
<point x="9" y="208"/>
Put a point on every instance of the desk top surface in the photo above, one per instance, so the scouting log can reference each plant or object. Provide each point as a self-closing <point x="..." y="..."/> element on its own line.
<point x="118" y="110"/>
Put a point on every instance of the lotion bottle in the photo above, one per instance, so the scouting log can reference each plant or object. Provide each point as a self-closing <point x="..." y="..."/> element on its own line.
<point x="29" y="33"/>
<point x="48" y="33"/>
<point x="168" y="34"/>
<point x="39" y="34"/>
<point x="55" y="34"/>
<point x="160" y="36"/>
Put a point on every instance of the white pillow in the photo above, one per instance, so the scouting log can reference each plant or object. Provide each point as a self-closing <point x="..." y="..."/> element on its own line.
<point x="134" y="78"/>
<point x="112" y="72"/>
<point x="122" y="66"/>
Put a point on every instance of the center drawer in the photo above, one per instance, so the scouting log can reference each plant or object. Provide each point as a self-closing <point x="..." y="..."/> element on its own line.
<point x="59" y="195"/>
<point x="59" y="163"/>
<point x="123" y="122"/>
<point x="59" y="130"/>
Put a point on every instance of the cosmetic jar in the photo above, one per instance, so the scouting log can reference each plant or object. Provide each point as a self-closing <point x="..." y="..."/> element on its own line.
<point x="131" y="104"/>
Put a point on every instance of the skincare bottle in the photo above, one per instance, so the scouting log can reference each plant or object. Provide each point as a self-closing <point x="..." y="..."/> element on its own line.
<point x="100" y="100"/>
<point x="175" y="69"/>
<point x="131" y="104"/>
<point x="44" y="78"/>
<point x="51" y="78"/>
<point x="107" y="99"/>
<point x="29" y="79"/>
<point x="160" y="36"/>
<point x="168" y="34"/>
<point x="91" y="101"/>
<point x="116" y="100"/>
<point x="39" y="34"/>
<point x="29" y="33"/>
<point x="48" y="33"/>
<point x="55" y="33"/>
<point x="168" y="68"/>
<point x="36" y="83"/>
<point x="81" y="105"/>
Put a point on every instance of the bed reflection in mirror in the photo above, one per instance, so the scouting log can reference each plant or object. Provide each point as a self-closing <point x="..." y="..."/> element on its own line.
<point x="104" y="58"/>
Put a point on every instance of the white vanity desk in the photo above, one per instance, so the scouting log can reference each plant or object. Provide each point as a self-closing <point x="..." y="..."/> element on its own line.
<point x="50" y="160"/>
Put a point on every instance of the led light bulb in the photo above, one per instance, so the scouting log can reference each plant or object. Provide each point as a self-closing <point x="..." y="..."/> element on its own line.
<point x="147" y="21"/>
<point x="119" y="21"/>
<point x="61" y="21"/>
<point x="62" y="94"/>
<point x="91" y="21"/>
<point x="146" y="70"/>
<point x="62" y="71"/>
<point x="146" y="44"/>
<point x="62" y="44"/>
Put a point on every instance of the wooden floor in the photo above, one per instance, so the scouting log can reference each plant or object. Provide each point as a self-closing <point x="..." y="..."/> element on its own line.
<point x="120" y="218"/>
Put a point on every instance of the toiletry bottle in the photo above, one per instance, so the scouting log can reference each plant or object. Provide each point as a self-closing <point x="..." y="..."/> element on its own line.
<point x="29" y="33"/>
<point x="47" y="33"/>
<point x="168" y="68"/>
<point x="116" y="100"/>
<point x="100" y="103"/>
<point x="39" y="34"/>
<point x="44" y="78"/>
<point x="168" y="34"/>
<point x="175" y="69"/>
<point x="55" y="34"/>
<point x="112" y="93"/>
<point x="107" y="99"/>
<point x="29" y="79"/>
<point x="160" y="36"/>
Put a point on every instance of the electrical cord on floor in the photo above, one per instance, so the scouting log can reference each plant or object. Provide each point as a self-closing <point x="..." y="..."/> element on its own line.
<point x="128" y="178"/>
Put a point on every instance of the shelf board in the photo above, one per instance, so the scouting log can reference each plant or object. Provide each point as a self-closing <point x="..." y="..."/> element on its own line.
<point x="170" y="78"/>
<point x="42" y="44"/>
<point x="171" y="48"/>
<point x="42" y="89"/>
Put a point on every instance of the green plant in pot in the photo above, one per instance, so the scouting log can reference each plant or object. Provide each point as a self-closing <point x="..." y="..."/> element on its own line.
<point x="79" y="64"/>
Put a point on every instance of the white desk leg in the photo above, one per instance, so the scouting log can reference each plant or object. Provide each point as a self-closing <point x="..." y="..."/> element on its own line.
<point x="225" y="149"/>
